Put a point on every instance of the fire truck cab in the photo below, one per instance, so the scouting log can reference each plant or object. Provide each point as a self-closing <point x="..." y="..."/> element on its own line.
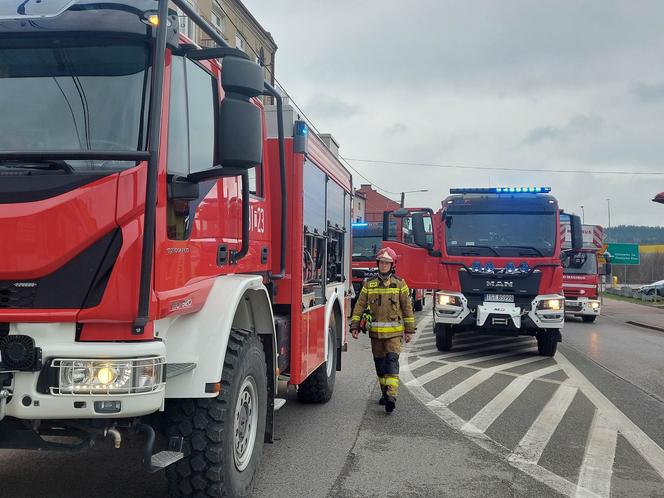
<point x="581" y="272"/>
<point x="493" y="256"/>
<point x="171" y="249"/>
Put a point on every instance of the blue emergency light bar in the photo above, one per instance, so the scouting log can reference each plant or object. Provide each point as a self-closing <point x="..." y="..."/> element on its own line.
<point x="359" y="225"/>
<point x="501" y="190"/>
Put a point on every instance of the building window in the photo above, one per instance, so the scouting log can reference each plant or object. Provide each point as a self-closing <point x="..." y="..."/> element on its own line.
<point x="261" y="56"/>
<point x="240" y="43"/>
<point x="218" y="22"/>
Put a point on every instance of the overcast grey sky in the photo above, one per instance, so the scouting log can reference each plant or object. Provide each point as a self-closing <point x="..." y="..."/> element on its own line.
<point x="542" y="85"/>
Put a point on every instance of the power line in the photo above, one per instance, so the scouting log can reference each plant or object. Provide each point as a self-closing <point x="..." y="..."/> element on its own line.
<point x="271" y="72"/>
<point x="499" y="168"/>
<point x="299" y="109"/>
<point x="378" y="187"/>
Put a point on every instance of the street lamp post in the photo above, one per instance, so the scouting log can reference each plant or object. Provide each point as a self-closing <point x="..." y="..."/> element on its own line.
<point x="403" y="194"/>
<point x="608" y="206"/>
<point x="583" y="215"/>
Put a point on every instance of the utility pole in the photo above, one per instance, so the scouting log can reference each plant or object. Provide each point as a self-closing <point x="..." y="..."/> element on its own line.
<point x="403" y="194"/>
<point x="608" y="206"/>
<point x="583" y="215"/>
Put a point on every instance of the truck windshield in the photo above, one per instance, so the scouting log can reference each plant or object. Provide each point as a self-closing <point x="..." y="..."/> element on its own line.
<point x="79" y="98"/>
<point x="501" y="234"/>
<point x="365" y="248"/>
<point x="582" y="263"/>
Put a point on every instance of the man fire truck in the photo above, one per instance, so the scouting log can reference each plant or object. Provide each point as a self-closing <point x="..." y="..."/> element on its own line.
<point x="367" y="241"/>
<point x="581" y="273"/>
<point x="493" y="254"/>
<point x="168" y="252"/>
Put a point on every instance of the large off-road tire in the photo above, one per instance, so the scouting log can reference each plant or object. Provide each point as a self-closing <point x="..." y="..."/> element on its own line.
<point x="588" y="318"/>
<point x="223" y="436"/>
<point x="547" y="343"/>
<point x="443" y="337"/>
<point x="318" y="387"/>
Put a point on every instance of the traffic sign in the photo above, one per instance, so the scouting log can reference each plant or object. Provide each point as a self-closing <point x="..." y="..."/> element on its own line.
<point x="624" y="254"/>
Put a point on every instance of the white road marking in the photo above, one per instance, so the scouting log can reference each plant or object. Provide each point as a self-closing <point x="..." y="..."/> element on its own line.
<point x="492" y="410"/>
<point x="531" y="446"/>
<point x="420" y="363"/>
<point x="462" y="388"/>
<point x="648" y="449"/>
<point x="597" y="466"/>
<point x="434" y="374"/>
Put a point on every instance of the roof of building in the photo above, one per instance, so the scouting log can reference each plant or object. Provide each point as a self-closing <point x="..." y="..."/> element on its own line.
<point x="251" y="16"/>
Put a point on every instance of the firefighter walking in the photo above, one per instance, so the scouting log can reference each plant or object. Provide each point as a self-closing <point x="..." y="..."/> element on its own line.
<point x="385" y="310"/>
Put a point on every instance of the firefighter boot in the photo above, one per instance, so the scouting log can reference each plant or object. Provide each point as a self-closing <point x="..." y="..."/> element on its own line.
<point x="390" y="403"/>
<point x="391" y="381"/>
<point x="380" y="372"/>
<point x="381" y="401"/>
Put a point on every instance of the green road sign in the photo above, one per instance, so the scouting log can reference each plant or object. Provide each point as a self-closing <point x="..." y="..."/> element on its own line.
<point x="624" y="254"/>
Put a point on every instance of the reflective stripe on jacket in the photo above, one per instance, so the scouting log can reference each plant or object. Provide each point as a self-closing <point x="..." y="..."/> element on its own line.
<point x="390" y="304"/>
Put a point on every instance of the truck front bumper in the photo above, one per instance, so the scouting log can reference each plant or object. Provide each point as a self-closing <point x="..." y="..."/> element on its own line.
<point x="582" y="306"/>
<point x="490" y="315"/>
<point x="39" y="395"/>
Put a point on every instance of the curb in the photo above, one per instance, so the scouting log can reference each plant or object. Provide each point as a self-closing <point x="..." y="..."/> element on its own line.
<point x="646" y="326"/>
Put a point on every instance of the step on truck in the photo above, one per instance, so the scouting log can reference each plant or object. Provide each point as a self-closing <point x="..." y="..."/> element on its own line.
<point x="494" y="257"/>
<point x="582" y="271"/>
<point x="171" y="248"/>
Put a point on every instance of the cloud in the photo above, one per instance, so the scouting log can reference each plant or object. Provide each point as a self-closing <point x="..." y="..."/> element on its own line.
<point x="327" y="106"/>
<point x="543" y="85"/>
<point x="577" y="126"/>
<point x="649" y="93"/>
<point x="396" y="129"/>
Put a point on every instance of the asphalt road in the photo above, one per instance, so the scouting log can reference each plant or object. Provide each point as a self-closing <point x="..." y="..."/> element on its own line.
<point x="489" y="418"/>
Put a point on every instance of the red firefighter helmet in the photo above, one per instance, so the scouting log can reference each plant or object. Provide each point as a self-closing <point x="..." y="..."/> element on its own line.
<point x="388" y="255"/>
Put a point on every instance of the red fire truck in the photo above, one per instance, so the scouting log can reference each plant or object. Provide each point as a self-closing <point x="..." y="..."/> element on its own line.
<point x="170" y="250"/>
<point x="581" y="273"/>
<point x="367" y="241"/>
<point x="493" y="256"/>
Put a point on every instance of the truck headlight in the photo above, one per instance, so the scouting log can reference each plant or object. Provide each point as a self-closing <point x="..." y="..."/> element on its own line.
<point x="443" y="299"/>
<point x="594" y="305"/>
<point x="550" y="304"/>
<point x="99" y="376"/>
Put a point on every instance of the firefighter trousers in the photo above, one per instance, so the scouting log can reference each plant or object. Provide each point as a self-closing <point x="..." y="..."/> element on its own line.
<point x="386" y="358"/>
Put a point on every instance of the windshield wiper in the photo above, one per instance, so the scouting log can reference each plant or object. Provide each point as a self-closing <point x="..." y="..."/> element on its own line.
<point x="469" y="252"/>
<point x="39" y="164"/>
<point x="529" y="248"/>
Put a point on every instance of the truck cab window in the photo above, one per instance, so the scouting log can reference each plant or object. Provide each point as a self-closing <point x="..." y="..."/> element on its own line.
<point x="202" y="106"/>
<point x="191" y="135"/>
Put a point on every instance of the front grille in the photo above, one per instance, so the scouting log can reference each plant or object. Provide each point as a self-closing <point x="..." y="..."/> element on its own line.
<point x="569" y="292"/>
<point x="523" y="302"/>
<point x="16" y="295"/>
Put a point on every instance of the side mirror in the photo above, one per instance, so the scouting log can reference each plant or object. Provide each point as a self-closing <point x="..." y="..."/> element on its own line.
<point x="400" y="213"/>
<point x="240" y="121"/>
<point x="577" y="234"/>
<point x="448" y="220"/>
<point x="180" y="189"/>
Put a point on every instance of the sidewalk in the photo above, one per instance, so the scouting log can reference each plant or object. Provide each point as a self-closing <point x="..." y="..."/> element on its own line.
<point x="634" y="314"/>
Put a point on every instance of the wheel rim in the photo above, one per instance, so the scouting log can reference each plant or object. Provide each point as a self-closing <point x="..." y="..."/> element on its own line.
<point x="330" y="351"/>
<point x="245" y="423"/>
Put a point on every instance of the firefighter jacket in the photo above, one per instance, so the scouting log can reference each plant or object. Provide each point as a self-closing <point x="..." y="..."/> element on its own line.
<point x="390" y="304"/>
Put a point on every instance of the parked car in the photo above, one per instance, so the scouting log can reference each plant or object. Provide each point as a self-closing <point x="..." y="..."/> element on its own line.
<point x="654" y="289"/>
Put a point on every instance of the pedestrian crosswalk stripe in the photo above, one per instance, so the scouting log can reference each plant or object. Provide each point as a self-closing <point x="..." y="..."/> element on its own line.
<point x="434" y="374"/>
<point x="462" y="388"/>
<point x="531" y="446"/>
<point x="597" y="466"/>
<point x="491" y="411"/>
<point x="490" y="355"/>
